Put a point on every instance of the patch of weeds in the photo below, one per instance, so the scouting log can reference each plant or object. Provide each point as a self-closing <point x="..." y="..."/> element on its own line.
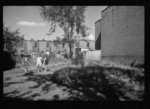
<point x="83" y="78"/>
<point x="125" y="60"/>
<point x="110" y="81"/>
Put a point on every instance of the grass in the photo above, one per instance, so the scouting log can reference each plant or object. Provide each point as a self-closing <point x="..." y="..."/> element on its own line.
<point x="133" y="61"/>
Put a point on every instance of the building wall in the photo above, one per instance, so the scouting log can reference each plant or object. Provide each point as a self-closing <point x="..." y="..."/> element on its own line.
<point x="83" y="44"/>
<point x="42" y="46"/>
<point x="122" y="31"/>
<point x="28" y="45"/>
<point x="52" y="47"/>
<point x="92" y="45"/>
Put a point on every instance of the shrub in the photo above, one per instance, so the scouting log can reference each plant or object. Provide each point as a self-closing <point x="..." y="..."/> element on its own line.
<point x="79" y="59"/>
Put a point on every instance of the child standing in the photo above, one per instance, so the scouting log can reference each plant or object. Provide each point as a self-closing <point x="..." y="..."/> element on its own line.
<point x="39" y="61"/>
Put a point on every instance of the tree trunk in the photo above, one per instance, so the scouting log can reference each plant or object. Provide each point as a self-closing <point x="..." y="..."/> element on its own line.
<point x="70" y="50"/>
<point x="71" y="42"/>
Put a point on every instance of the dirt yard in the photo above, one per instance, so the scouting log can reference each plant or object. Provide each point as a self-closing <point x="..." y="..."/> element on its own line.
<point x="65" y="81"/>
<point x="34" y="86"/>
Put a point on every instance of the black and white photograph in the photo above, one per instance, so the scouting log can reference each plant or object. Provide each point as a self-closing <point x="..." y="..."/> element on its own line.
<point x="73" y="53"/>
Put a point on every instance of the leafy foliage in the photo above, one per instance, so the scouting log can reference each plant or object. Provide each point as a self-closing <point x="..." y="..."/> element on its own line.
<point x="12" y="39"/>
<point x="79" y="59"/>
<point x="57" y="42"/>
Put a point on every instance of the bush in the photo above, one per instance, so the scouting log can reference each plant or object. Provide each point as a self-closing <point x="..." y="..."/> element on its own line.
<point x="79" y="59"/>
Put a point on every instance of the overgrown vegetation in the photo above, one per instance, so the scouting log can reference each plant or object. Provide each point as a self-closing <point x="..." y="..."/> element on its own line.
<point x="12" y="39"/>
<point x="115" y="84"/>
<point x="133" y="61"/>
<point x="78" y="60"/>
<point x="97" y="82"/>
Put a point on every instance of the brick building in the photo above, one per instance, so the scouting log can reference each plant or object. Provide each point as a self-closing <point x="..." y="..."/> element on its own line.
<point x="45" y="45"/>
<point x="38" y="46"/>
<point x="120" y="31"/>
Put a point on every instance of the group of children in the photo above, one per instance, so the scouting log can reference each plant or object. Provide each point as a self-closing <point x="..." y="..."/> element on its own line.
<point x="41" y="61"/>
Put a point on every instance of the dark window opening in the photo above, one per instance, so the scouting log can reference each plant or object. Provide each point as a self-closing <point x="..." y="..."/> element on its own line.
<point x="88" y="45"/>
<point x="47" y="44"/>
<point x="35" y="45"/>
<point x="63" y="44"/>
<point x="98" y="43"/>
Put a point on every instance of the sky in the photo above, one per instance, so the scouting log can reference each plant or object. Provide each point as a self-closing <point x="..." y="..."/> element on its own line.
<point x="32" y="25"/>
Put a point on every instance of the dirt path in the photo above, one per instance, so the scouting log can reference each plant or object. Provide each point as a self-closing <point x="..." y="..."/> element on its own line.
<point x="33" y="86"/>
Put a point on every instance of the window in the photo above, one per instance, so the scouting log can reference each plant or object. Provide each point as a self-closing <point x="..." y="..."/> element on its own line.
<point x="63" y="44"/>
<point x="78" y="44"/>
<point x="36" y="45"/>
<point x="98" y="43"/>
<point x="47" y="44"/>
<point x="88" y="45"/>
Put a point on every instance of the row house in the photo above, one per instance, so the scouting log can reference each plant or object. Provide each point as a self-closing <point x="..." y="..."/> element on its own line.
<point x="53" y="46"/>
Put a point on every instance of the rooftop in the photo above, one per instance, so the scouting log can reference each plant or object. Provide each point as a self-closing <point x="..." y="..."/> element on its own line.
<point x="98" y="20"/>
<point x="105" y="9"/>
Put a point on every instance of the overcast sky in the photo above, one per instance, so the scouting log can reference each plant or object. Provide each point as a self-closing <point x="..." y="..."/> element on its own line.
<point x="32" y="25"/>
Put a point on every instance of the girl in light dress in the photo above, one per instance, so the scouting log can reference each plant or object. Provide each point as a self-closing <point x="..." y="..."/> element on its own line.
<point x="39" y="61"/>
